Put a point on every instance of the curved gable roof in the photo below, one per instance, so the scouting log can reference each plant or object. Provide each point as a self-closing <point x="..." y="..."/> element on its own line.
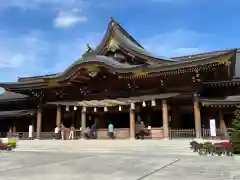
<point x="124" y="40"/>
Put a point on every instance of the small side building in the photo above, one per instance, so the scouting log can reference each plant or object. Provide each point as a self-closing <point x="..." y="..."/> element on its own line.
<point x="17" y="112"/>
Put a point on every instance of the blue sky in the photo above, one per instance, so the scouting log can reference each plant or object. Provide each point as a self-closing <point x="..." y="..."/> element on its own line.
<point x="45" y="36"/>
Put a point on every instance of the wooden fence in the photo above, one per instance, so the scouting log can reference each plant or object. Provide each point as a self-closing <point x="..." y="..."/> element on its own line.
<point x="191" y="133"/>
<point x="182" y="133"/>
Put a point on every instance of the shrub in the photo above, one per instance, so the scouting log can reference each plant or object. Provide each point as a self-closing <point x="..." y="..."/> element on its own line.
<point x="193" y="146"/>
<point x="12" y="143"/>
<point x="207" y="148"/>
<point x="235" y="135"/>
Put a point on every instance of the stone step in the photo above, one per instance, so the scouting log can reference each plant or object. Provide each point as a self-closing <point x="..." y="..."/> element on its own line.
<point x="125" y="147"/>
<point x="106" y="146"/>
<point x="106" y="149"/>
<point x="144" y="149"/>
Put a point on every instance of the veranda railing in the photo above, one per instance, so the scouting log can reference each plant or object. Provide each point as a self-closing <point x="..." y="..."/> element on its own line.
<point x="181" y="133"/>
<point x="189" y="133"/>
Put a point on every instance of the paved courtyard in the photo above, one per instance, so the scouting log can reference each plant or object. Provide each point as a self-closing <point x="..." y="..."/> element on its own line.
<point x="134" y="164"/>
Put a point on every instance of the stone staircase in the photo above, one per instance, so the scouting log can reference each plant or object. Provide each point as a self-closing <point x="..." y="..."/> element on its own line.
<point x="107" y="146"/>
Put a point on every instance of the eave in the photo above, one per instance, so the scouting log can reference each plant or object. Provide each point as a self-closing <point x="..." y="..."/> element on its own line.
<point x="230" y="101"/>
<point x="16" y="113"/>
<point x="116" y="102"/>
<point x="10" y="97"/>
<point x="95" y="63"/>
<point x="227" y="83"/>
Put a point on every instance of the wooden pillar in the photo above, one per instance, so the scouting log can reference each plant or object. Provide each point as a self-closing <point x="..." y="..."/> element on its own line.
<point x="39" y="122"/>
<point x="83" y="122"/>
<point x="132" y="123"/>
<point x="197" y="117"/>
<point x="165" y="119"/>
<point x="59" y="116"/>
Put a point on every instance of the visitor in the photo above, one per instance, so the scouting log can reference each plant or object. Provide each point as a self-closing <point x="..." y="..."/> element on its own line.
<point x="56" y="132"/>
<point x="87" y="133"/>
<point x="141" y="130"/>
<point x="137" y="130"/>
<point x="92" y="131"/>
<point x="62" y="132"/>
<point x="71" y="134"/>
<point x="111" y="131"/>
<point x="80" y="132"/>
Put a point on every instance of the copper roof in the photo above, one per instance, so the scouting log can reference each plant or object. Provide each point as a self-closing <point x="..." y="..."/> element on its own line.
<point x="7" y="96"/>
<point x="202" y="55"/>
<point x="229" y="100"/>
<point x="16" y="113"/>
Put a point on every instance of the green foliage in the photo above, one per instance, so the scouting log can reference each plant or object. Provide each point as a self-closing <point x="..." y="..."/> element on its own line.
<point x="209" y="149"/>
<point x="235" y="135"/>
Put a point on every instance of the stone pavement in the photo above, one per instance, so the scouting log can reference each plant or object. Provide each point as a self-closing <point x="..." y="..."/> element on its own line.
<point x="142" y="160"/>
<point x="106" y="146"/>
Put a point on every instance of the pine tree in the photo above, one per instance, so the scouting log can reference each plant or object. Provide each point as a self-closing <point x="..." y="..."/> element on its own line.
<point x="235" y="135"/>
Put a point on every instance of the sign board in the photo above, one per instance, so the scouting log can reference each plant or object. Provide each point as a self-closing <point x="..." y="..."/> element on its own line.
<point x="213" y="127"/>
<point x="30" y="135"/>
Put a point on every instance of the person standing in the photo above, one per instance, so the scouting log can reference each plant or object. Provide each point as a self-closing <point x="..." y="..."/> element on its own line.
<point x="56" y="132"/>
<point x="92" y="131"/>
<point x="141" y="130"/>
<point x="87" y="133"/>
<point x="71" y="134"/>
<point x="111" y="131"/>
<point x="62" y="131"/>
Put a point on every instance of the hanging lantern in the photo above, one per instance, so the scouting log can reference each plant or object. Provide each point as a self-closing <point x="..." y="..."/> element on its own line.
<point x="67" y="108"/>
<point x="153" y="103"/>
<point x="95" y="109"/>
<point x="120" y="108"/>
<point x="144" y="104"/>
<point x="75" y="108"/>
<point x="132" y="106"/>
<point x="105" y="109"/>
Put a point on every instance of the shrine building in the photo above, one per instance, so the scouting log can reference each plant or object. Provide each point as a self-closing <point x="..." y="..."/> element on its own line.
<point x="120" y="82"/>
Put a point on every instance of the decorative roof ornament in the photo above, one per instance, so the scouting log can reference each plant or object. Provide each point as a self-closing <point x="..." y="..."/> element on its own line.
<point x="112" y="21"/>
<point x="87" y="52"/>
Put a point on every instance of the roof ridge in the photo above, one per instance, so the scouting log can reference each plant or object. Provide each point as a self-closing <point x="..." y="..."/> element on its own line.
<point x="204" y="53"/>
<point x="114" y="22"/>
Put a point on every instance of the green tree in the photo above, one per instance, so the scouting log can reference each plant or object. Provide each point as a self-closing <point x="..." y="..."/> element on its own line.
<point x="235" y="132"/>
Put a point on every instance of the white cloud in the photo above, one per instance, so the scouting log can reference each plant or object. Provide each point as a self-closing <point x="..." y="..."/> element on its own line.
<point x="67" y="11"/>
<point x="68" y="19"/>
<point x="177" y="43"/>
